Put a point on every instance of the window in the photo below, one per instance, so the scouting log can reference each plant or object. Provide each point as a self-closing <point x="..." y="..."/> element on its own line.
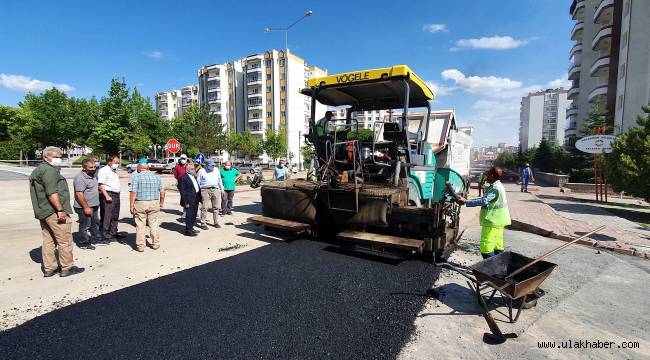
<point x="622" y="71"/>
<point x="283" y="101"/>
<point x="269" y="113"/>
<point x="284" y="114"/>
<point x="283" y="88"/>
<point x="269" y="126"/>
<point x="268" y="88"/>
<point x="267" y="62"/>
<point x="283" y="76"/>
<point x="281" y="62"/>
<point x="269" y="102"/>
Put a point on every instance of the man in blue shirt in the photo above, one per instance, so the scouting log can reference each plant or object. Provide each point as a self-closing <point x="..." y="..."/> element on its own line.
<point x="147" y="196"/>
<point x="526" y="176"/>
<point x="281" y="172"/>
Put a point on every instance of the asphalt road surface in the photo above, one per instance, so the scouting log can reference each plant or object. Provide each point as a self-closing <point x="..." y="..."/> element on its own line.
<point x="295" y="300"/>
<point x="11" y="175"/>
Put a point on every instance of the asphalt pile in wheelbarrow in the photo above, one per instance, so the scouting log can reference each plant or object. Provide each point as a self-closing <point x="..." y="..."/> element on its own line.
<point x="295" y="300"/>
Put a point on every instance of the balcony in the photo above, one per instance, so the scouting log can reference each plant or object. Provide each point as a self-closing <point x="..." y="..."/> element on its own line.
<point x="577" y="9"/>
<point x="571" y="111"/>
<point x="253" y="67"/>
<point x="600" y="90"/>
<point x="574" y="71"/>
<point x="573" y="92"/>
<point x="213" y="99"/>
<point x="254" y="80"/>
<point x="576" y="32"/>
<point x="257" y="130"/>
<point x="599" y="66"/>
<point x="604" y="12"/>
<point x="255" y="120"/>
<point x="576" y="49"/>
<point x="255" y="105"/>
<point x="254" y="93"/>
<point x="602" y="39"/>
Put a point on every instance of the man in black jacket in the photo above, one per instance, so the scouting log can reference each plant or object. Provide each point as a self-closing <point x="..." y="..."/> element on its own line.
<point x="190" y="197"/>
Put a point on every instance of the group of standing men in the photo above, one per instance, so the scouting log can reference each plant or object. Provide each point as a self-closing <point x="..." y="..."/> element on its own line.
<point x="96" y="202"/>
<point x="207" y="186"/>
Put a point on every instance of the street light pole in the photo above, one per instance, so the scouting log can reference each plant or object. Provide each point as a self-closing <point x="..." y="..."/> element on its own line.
<point x="286" y="69"/>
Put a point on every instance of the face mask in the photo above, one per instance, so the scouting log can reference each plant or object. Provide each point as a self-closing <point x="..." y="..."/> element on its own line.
<point x="55" y="161"/>
<point x="91" y="173"/>
<point x="281" y="165"/>
<point x="209" y="168"/>
<point x="97" y="164"/>
<point x="227" y="167"/>
<point x="115" y="166"/>
<point x="183" y="161"/>
<point x="191" y="171"/>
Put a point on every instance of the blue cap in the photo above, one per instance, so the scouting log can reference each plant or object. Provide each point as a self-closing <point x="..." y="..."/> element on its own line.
<point x="142" y="161"/>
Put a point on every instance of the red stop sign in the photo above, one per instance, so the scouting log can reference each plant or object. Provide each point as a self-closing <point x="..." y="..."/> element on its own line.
<point x="173" y="146"/>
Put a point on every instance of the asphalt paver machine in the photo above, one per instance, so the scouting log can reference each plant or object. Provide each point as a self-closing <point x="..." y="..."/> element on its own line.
<point x="378" y="188"/>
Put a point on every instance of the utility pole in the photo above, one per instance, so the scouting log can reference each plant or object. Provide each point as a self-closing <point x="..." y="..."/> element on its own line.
<point x="286" y="70"/>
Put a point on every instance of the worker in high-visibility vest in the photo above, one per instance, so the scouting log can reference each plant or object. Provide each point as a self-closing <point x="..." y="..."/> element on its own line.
<point x="321" y="130"/>
<point x="494" y="216"/>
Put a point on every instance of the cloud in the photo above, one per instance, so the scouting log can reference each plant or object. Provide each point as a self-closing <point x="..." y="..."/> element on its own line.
<point x="26" y="84"/>
<point x="154" y="54"/>
<point x="492" y="42"/>
<point x="489" y="85"/>
<point x="434" y="28"/>
<point x="440" y="90"/>
<point x="561" y="82"/>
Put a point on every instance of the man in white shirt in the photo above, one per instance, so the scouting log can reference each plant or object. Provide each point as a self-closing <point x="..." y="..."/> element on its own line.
<point x="211" y="191"/>
<point x="109" y="190"/>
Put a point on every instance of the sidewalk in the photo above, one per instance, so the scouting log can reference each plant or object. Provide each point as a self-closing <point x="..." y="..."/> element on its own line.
<point x="546" y="213"/>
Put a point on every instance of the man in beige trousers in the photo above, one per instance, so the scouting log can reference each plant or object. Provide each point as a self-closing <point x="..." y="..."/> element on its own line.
<point x="147" y="196"/>
<point x="51" y="203"/>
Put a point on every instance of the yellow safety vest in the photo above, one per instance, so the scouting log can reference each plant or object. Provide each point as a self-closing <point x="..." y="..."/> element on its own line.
<point x="495" y="213"/>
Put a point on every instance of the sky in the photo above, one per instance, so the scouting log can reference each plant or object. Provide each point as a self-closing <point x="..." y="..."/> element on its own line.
<point x="479" y="56"/>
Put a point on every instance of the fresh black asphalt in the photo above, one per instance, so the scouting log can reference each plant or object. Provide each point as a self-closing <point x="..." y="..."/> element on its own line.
<point x="298" y="300"/>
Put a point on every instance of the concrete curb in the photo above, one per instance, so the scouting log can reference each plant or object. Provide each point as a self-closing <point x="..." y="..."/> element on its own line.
<point x="521" y="226"/>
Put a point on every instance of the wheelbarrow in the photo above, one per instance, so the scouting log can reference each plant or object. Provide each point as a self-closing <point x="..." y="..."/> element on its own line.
<point x="515" y="276"/>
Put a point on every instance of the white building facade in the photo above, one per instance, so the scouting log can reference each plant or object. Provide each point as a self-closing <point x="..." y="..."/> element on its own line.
<point x="173" y="103"/>
<point x="542" y="116"/>
<point x="610" y="63"/>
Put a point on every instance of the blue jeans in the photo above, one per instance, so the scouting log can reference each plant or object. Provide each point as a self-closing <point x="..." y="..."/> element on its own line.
<point x="524" y="184"/>
<point x="89" y="225"/>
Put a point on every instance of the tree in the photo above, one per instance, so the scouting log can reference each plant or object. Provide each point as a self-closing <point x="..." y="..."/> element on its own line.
<point x="145" y="118"/>
<point x="249" y="145"/>
<point x="308" y="153"/>
<point x="48" y="120"/>
<point x="361" y="135"/>
<point x="114" y="126"/>
<point x="543" y="158"/>
<point x="13" y="139"/>
<point x="506" y="160"/>
<point x="275" y="144"/>
<point x="197" y="129"/>
<point x="628" y="166"/>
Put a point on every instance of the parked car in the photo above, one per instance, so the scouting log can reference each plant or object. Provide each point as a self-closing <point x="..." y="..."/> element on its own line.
<point x="509" y="175"/>
<point x="249" y="168"/>
<point x="154" y="165"/>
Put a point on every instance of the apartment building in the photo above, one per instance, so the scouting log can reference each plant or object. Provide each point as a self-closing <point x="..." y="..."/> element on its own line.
<point x="263" y="92"/>
<point x="173" y="103"/>
<point x="541" y="116"/>
<point x="610" y="63"/>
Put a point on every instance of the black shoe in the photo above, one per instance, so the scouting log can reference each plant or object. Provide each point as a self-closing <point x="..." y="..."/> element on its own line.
<point x="50" y="273"/>
<point x="181" y="220"/>
<point x="101" y="242"/>
<point x="71" y="271"/>
<point x="191" y="233"/>
<point x="217" y="225"/>
<point x="120" y="236"/>
<point x="229" y="213"/>
<point x="203" y="227"/>
<point x="86" y="246"/>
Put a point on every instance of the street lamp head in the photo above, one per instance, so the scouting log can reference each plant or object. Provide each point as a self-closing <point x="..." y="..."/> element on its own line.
<point x="309" y="13"/>
<point x="267" y="30"/>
